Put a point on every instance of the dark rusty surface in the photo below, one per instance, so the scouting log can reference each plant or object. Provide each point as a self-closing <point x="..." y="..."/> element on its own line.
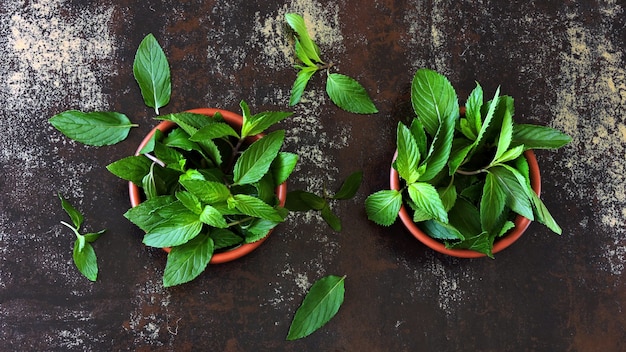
<point x="564" y="63"/>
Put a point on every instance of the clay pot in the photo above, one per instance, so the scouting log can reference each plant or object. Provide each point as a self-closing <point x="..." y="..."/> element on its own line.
<point x="235" y="120"/>
<point x="521" y="223"/>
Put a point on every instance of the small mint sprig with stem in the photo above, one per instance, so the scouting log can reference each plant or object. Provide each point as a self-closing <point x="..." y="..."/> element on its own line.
<point x="84" y="255"/>
<point x="344" y="91"/>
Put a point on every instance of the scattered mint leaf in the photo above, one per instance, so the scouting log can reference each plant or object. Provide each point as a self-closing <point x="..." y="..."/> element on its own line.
<point x="75" y="215"/>
<point x="93" y="128"/>
<point x="319" y="306"/>
<point x="152" y="73"/>
<point x="349" y="95"/>
<point x="350" y="186"/>
<point x="299" y="85"/>
<point x="310" y="49"/>
<point x="331" y="219"/>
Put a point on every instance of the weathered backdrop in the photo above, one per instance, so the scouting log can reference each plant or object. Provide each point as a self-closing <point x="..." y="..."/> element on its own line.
<point x="563" y="62"/>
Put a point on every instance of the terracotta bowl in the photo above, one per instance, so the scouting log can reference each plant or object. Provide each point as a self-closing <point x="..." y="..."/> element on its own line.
<point x="521" y="223"/>
<point x="235" y="120"/>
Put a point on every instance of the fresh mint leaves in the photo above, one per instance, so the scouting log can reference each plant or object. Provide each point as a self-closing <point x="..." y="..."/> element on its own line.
<point x="305" y="201"/>
<point x="93" y="128"/>
<point x="465" y="175"/>
<point x="344" y="91"/>
<point x="321" y="304"/>
<point x="83" y="254"/>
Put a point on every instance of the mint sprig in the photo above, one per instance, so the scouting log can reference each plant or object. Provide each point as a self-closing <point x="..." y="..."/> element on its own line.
<point x="306" y="201"/>
<point x="83" y="253"/>
<point x="344" y="91"/>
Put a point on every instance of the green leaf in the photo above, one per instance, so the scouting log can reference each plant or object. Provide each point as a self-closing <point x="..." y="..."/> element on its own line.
<point x="131" y="168"/>
<point x="296" y="22"/>
<point x="258" y="230"/>
<point x="510" y="154"/>
<point x="448" y="197"/>
<point x="190" y="201"/>
<point x="76" y="217"/>
<point x="207" y="191"/>
<point x="490" y="114"/>
<point x="149" y="184"/>
<point x="213" y="217"/>
<point x="152" y="72"/>
<point x="223" y="238"/>
<point x="93" y="128"/>
<point x="257" y="159"/>
<point x="350" y="186"/>
<point x="302" y="56"/>
<point x="260" y="122"/>
<point x="178" y="138"/>
<point x="189" y="122"/>
<point x="188" y="261"/>
<point x="515" y="189"/>
<point x="441" y="146"/>
<point x="472" y="112"/>
<point x="539" y="137"/>
<point x="145" y="215"/>
<point x="482" y="243"/>
<point x="212" y="131"/>
<point x="299" y="85"/>
<point x="295" y="202"/>
<point x="407" y="161"/>
<point x="349" y="95"/>
<point x="85" y="260"/>
<point x="313" y="200"/>
<point x="331" y="219"/>
<point x="255" y="207"/>
<point x="461" y="147"/>
<point x="492" y="203"/>
<point x="172" y="158"/>
<point x="433" y="99"/>
<point x="93" y="236"/>
<point x="426" y="198"/>
<point x="465" y="217"/>
<point x="174" y="231"/>
<point x="441" y="231"/>
<point x="543" y="215"/>
<point x="319" y="306"/>
<point x="283" y="166"/>
<point x="383" y="206"/>
<point x="506" y="135"/>
<point x="417" y="129"/>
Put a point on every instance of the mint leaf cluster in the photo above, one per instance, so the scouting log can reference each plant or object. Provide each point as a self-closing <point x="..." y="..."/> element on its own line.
<point x="83" y="254"/>
<point x="344" y="91"/>
<point x="299" y="200"/>
<point x="465" y="175"/>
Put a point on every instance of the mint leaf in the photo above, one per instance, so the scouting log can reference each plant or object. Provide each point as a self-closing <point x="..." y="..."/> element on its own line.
<point x="75" y="215"/>
<point x="350" y="186"/>
<point x="349" y="95"/>
<point x="490" y="115"/>
<point x="295" y="201"/>
<point x="382" y="207"/>
<point x="85" y="259"/>
<point x="331" y="219"/>
<point x="516" y="196"/>
<point x="255" y="207"/>
<point x="441" y="231"/>
<point x="152" y="72"/>
<point x="223" y="238"/>
<point x="174" y="231"/>
<point x="310" y="49"/>
<point x="213" y="217"/>
<point x="283" y="166"/>
<point x="407" y="161"/>
<point x="433" y="99"/>
<point x="145" y="215"/>
<point x="207" y="191"/>
<point x="258" y="123"/>
<point x="492" y="203"/>
<point x="299" y="85"/>
<point x="539" y="137"/>
<point x="190" y="201"/>
<point x="93" y="128"/>
<point x="506" y="135"/>
<point x="473" y="120"/>
<point x="93" y="236"/>
<point x="131" y="168"/>
<point x="187" y="261"/>
<point x="319" y="306"/>
<point x="212" y="131"/>
<point x="426" y="198"/>
<point x="255" y="161"/>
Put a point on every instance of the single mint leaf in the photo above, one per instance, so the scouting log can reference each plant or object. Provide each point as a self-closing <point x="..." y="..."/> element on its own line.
<point x="461" y="148"/>
<point x="93" y="236"/>
<point x="313" y="200"/>
<point x="213" y="217"/>
<point x="482" y="243"/>
<point x="258" y="230"/>
<point x="85" y="260"/>
<point x="283" y="166"/>
<point x="152" y="72"/>
<point x="510" y="154"/>
<point x="426" y="198"/>
<point x="539" y="137"/>
<point x="295" y="202"/>
<point x="187" y="261"/>
<point x="473" y="120"/>
<point x="255" y="207"/>
<point x="440" y="148"/>
<point x="319" y="306"/>
<point x="349" y="95"/>
<point x="131" y="168"/>
<point x="93" y="128"/>
<point x="260" y="122"/>
<point x="543" y="215"/>
<point x="302" y="56"/>
<point x="515" y="189"/>
<point x="145" y="215"/>
<point x="331" y="219"/>
<point x="492" y="203"/>
<point x="350" y="186"/>
<point x="506" y="135"/>
<point x="433" y="99"/>
<point x="176" y="138"/>
<point x="149" y="184"/>
<point x="490" y="115"/>
<point x="407" y="161"/>
<point x="383" y="206"/>
<point x="299" y="85"/>
<point x="174" y="231"/>
<point x="76" y="217"/>
<point x="441" y="231"/>
<point x="190" y="201"/>
<point x="255" y="161"/>
<point x="465" y="217"/>
<point x="296" y="22"/>
<point x="417" y="129"/>
<point x="207" y="191"/>
<point x="212" y="131"/>
<point x="223" y="238"/>
<point x="448" y="197"/>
